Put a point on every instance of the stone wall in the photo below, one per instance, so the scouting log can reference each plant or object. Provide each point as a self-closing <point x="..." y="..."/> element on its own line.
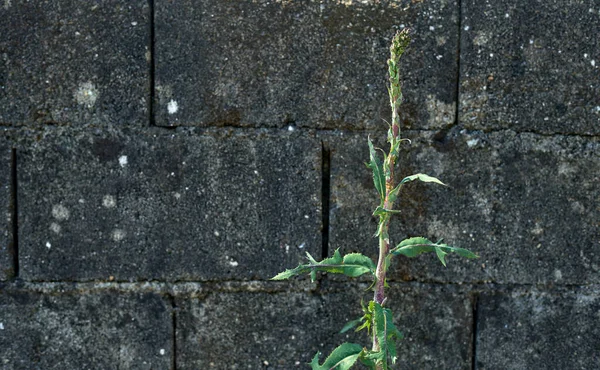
<point x="161" y="160"/>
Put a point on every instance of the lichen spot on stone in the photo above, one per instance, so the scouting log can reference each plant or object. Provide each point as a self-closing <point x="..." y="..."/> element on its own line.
<point x="60" y="212"/>
<point x="86" y="94"/>
<point x="118" y="235"/>
<point x="109" y="201"/>
<point x="172" y="107"/>
<point x="55" y="227"/>
<point x="123" y="161"/>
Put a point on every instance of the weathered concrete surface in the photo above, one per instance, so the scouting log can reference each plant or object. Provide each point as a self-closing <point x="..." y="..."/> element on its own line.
<point x="185" y="206"/>
<point x="7" y="268"/>
<point x="285" y="330"/>
<point x="302" y="63"/>
<point x="100" y="331"/>
<point x="530" y="66"/>
<point x="74" y="62"/>
<point x="527" y="204"/>
<point x="538" y="331"/>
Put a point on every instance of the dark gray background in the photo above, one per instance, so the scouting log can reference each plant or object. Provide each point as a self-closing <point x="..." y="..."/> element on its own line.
<point x="162" y="159"/>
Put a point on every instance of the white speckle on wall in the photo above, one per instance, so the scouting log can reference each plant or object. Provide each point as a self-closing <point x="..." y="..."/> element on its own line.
<point x="172" y="107"/>
<point x="557" y="275"/>
<point x="55" y="227"/>
<point x="86" y="94"/>
<point x="118" y="235"/>
<point x="217" y="233"/>
<point x="109" y="201"/>
<point x="162" y="351"/>
<point x="1" y="326"/>
<point x="48" y="245"/>
<point x="123" y="160"/>
<point x="472" y="142"/>
<point x="60" y="212"/>
<point x="233" y="263"/>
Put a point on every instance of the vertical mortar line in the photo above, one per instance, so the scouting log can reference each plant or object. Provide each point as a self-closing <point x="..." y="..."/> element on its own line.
<point x="151" y="105"/>
<point x="174" y="338"/>
<point x="325" y="197"/>
<point x="458" y="55"/>
<point x="14" y="245"/>
<point x="474" y="332"/>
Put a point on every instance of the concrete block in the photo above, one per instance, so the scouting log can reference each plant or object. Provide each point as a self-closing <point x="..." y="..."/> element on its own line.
<point x="300" y="63"/>
<point x="7" y="267"/>
<point x="533" y="330"/>
<point x="527" y="204"/>
<point x="530" y="66"/>
<point x="285" y="330"/>
<point x="97" y="331"/>
<point x="167" y="206"/>
<point x="74" y="62"/>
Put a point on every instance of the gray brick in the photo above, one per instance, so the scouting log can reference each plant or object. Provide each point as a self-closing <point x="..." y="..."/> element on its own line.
<point x="530" y="66"/>
<point x="74" y="62"/>
<point x="527" y="204"/>
<point x="285" y="330"/>
<point x="99" y="331"/>
<point x="184" y="206"/>
<point x="311" y="64"/>
<point x="7" y="268"/>
<point x="538" y="331"/>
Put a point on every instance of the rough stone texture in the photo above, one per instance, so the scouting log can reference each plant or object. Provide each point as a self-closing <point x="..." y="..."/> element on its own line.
<point x="101" y="331"/>
<point x="184" y="206"/>
<point x="301" y="63"/>
<point x="527" y="204"/>
<point x="538" y="330"/>
<point x="74" y="62"/>
<point x="530" y="66"/>
<point x="7" y="268"/>
<point x="285" y="330"/>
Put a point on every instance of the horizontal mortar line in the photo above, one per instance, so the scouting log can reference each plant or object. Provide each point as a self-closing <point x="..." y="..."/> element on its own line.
<point x="317" y="130"/>
<point x="183" y="289"/>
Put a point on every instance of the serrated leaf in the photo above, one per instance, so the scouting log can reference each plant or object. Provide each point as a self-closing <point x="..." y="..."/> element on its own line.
<point x="376" y="165"/>
<point x="421" y="177"/>
<point x="342" y="358"/>
<point x="353" y="265"/>
<point x="412" y="247"/>
<point x="386" y="333"/>
<point x="361" y="260"/>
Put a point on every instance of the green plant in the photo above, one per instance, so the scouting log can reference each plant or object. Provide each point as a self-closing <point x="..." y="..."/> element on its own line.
<point x="377" y="318"/>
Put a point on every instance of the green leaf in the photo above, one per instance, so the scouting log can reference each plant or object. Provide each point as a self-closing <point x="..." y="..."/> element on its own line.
<point x="365" y="360"/>
<point x="351" y="324"/>
<point x="359" y="260"/>
<point x="380" y="329"/>
<point x="353" y="265"/>
<point x="380" y="211"/>
<point x="387" y="334"/>
<point x="421" y="177"/>
<point x="376" y="166"/>
<point x="412" y="247"/>
<point x="393" y="334"/>
<point x="342" y="358"/>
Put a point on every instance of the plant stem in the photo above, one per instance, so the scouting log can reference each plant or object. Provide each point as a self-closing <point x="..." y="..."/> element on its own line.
<point x="399" y="44"/>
